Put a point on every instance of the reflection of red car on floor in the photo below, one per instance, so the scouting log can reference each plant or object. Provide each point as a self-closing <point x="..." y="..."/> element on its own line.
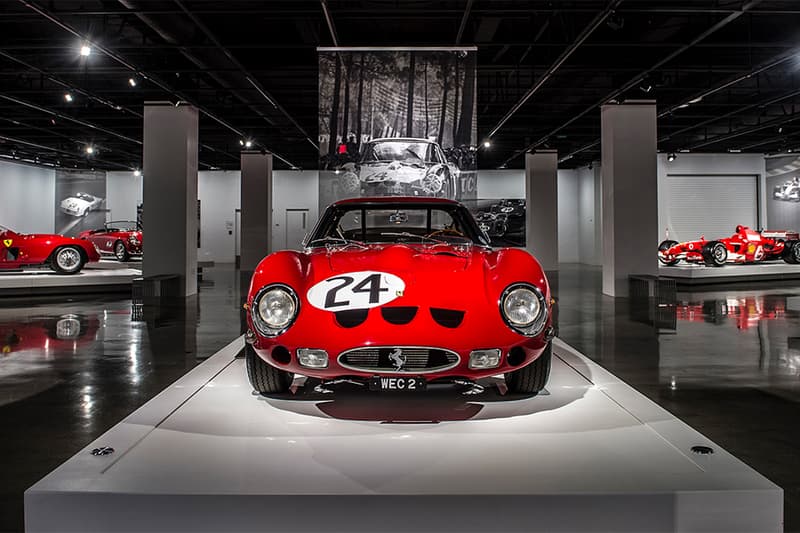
<point x="65" y="255"/>
<point x="744" y="246"/>
<point x="48" y="333"/>
<point x="122" y="239"/>
<point x="748" y="311"/>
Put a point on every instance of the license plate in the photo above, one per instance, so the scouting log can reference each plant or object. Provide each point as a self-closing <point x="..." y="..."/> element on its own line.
<point x="399" y="384"/>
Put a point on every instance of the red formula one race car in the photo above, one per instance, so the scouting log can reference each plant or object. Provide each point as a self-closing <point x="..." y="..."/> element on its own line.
<point x="65" y="255"/>
<point x="744" y="246"/>
<point x="122" y="239"/>
<point x="395" y="293"/>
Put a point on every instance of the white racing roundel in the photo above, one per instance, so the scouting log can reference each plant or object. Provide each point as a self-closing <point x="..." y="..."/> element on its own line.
<point x="355" y="290"/>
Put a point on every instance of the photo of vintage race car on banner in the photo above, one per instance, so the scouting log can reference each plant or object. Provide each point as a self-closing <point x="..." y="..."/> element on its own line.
<point x="744" y="246"/>
<point x="397" y="122"/>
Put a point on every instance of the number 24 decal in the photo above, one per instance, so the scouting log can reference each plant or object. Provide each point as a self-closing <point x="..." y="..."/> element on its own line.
<point x="355" y="290"/>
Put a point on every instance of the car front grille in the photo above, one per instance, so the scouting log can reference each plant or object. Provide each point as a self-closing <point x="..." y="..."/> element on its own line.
<point x="399" y="359"/>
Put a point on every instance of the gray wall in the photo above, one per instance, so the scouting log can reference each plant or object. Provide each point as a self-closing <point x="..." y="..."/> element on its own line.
<point x="218" y="191"/>
<point x="27" y="196"/>
<point x="568" y="215"/>
<point x="123" y="194"/>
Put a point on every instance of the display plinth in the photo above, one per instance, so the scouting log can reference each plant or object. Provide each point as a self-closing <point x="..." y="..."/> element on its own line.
<point x="590" y="455"/>
<point x="686" y="274"/>
<point x="96" y="277"/>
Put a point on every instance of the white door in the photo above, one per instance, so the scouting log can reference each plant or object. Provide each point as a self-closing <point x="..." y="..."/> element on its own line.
<point x="296" y="228"/>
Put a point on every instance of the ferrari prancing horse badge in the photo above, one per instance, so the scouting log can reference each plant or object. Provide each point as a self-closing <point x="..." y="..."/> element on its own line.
<point x="8" y="242"/>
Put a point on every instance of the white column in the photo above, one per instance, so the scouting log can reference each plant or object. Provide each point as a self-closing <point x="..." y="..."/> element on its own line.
<point x="630" y="193"/>
<point x="256" y="208"/>
<point x="170" y="193"/>
<point x="541" y="201"/>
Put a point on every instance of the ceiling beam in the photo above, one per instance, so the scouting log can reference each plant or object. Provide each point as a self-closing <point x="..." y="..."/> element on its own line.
<point x="587" y="31"/>
<point x="463" y="24"/>
<point x="636" y="79"/>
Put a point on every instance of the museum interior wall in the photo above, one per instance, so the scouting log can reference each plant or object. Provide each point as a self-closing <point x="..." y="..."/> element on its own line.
<point x="27" y="194"/>
<point x="725" y="190"/>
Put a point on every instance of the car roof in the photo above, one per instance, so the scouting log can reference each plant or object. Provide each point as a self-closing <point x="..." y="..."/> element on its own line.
<point x="397" y="200"/>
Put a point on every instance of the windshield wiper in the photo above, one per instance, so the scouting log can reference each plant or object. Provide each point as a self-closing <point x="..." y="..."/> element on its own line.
<point x="413" y="236"/>
<point x="331" y="241"/>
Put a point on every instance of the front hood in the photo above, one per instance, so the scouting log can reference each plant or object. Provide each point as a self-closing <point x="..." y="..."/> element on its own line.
<point x="394" y="171"/>
<point x="73" y="203"/>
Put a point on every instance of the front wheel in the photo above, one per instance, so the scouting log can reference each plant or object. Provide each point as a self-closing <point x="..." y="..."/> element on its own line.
<point x="715" y="254"/>
<point x="531" y="379"/>
<point x="265" y="378"/>
<point x="67" y="260"/>
<point x="663" y="247"/>
<point x="120" y="252"/>
<point x="791" y="252"/>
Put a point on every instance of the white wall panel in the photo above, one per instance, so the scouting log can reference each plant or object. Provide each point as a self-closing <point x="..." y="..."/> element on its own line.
<point x="123" y="194"/>
<point x="568" y="214"/>
<point x="710" y="205"/>
<point x="499" y="184"/>
<point x="27" y="197"/>
<point x="218" y="191"/>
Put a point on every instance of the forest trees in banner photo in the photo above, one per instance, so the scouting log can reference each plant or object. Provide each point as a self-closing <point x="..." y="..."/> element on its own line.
<point x="397" y="123"/>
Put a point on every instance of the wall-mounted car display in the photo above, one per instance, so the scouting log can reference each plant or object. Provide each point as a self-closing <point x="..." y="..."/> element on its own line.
<point x="788" y="190"/>
<point x="66" y="255"/>
<point x="399" y="167"/>
<point x="122" y="239"/>
<point x="80" y="204"/>
<point x="395" y="293"/>
<point x="744" y="246"/>
<point x="506" y="217"/>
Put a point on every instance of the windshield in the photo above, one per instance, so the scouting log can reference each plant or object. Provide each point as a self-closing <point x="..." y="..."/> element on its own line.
<point x="121" y="225"/>
<point x="396" y="223"/>
<point x="411" y="152"/>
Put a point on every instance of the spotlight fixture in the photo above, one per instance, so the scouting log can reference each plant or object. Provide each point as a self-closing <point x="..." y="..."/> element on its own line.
<point x="68" y="97"/>
<point x="780" y="129"/>
<point x="86" y="50"/>
<point x="248" y="143"/>
<point x="132" y="82"/>
<point x="89" y="149"/>
<point x="671" y="157"/>
<point x="241" y="142"/>
<point x="645" y="86"/>
<point x="734" y="150"/>
<point x="487" y="144"/>
<point x="137" y="172"/>
<point x="696" y="100"/>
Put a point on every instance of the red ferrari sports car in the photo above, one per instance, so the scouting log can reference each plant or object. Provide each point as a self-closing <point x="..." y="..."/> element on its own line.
<point x="744" y="246"/>
<point x="122" y="239"/>
<point x="395" y="293"/>
<point x="65" y="255"/>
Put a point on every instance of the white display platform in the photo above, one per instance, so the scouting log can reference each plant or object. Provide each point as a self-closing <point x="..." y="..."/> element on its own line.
<point x="590" y="455"/>
<point x="690" y="274"/>
<point x="95" y="277"/>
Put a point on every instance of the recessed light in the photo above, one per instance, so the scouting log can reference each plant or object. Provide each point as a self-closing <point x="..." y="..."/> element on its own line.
<point x="68" y="97"/>
<point x="89" y="149"/>
<point x="86" y="50"/>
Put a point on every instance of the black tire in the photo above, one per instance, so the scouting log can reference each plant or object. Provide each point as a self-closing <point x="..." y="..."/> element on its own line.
<point x="791" y="252"/>
<point x="666" y="245"/>
<point x="67" y="260"/>
<point x="265" y="378"/>
<point x="120" y="252"/>
<point x="531" y="379"/>
<point x="715" y="254"/>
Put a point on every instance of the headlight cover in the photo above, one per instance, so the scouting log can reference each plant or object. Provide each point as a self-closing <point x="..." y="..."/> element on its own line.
<point x="274" y="309"/>
<point x="524" y="309"/>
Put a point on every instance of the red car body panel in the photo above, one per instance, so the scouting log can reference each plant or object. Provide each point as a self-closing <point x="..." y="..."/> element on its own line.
<point x="470" y="280"/>
<point x="19" y="250"/>
<point x="105" y="239"/>
<point x="744" y="246"/>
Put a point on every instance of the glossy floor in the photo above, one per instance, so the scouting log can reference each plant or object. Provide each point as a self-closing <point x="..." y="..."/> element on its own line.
<point x="727" y="362"/>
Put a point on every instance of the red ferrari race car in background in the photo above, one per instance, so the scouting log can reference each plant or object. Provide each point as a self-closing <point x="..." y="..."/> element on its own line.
<point x="65" y="255"/>
<point x="744" y="246"/>
<point x="395" y="293"/>
<point x="122" y="239"/>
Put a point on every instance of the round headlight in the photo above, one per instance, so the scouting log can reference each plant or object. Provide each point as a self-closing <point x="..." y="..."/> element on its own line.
<point x="523" y="308"/>
<point x="275" y="309"/>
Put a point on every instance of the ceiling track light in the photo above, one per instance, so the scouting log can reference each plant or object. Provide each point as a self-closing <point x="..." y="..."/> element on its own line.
<point x="487" y="143"/>
<point x="68" y="97"/>
<point x="89" y="149"/>
<point x="137" y="172"/>
<point x="132" y="82"/>
<point x="671" y="157"/>
<point x="86" y="50"/>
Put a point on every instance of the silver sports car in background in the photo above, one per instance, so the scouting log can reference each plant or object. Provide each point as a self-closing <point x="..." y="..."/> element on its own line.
<point x="400" y="167"/>
<point x="80" y="204"/>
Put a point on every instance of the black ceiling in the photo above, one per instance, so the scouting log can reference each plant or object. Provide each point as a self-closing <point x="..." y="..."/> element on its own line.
<point x="251" y="67"/>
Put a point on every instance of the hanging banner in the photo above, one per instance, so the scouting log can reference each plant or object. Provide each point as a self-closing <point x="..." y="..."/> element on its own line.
<point x="397" y="122"/>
